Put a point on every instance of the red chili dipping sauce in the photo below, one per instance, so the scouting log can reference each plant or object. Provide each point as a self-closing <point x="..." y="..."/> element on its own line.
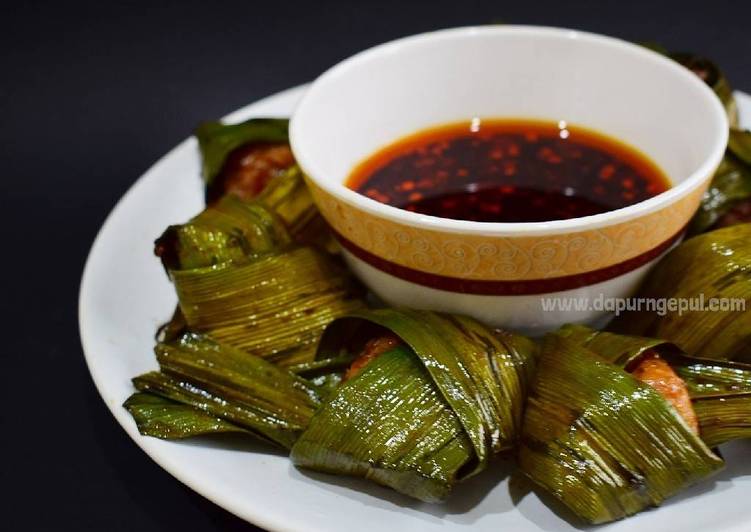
<point x="508" y="171"/>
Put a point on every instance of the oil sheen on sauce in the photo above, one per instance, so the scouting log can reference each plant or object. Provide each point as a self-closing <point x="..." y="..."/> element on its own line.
<point x="508" y="171"/>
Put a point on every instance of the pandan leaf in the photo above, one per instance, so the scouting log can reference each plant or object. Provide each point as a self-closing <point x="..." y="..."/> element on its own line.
<point x="275" y="306"/>
<point x="720" y="390"/>
<point x="245" y="391"/>
<point x="162" y="418"/>
<point x="711" y="266"/>
<point x="602" y="442"/>
<point x="217" y="140"/>
<point x="424" y="415"/>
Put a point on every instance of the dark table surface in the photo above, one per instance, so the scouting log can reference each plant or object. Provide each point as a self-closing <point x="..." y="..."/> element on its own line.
<point x="90" y="96"/>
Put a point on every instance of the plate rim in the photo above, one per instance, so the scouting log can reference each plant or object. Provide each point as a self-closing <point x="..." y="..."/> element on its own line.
<point x="247" y="512"/>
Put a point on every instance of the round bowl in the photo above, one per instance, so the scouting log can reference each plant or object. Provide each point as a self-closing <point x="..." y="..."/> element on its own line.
<point x="530" y="277"/>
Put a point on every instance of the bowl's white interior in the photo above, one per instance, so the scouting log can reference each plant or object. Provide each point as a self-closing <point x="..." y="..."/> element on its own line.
<point x="611" y="86"/>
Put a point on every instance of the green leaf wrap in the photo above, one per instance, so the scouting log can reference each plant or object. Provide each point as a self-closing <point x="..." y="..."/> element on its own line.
<point x="603" y="443"/>
<point x="424" y="415"/>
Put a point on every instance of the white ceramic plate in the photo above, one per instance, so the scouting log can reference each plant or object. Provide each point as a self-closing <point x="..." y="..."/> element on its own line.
<point x="125" y="295"/>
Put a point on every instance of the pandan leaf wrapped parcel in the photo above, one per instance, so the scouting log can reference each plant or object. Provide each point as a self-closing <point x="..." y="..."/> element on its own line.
<point x="728" y="198"/>
<point x="233" y="228"/>
<point x="714" y="266"/>
<point x="427" y="413"/>
<point x="253" y="160"/>
<point x="266" y="139"/>
<point x="602" y="442"/>
<point x="275" y="306"/>
<point x="720" y="391"/>
<point x="230" y="230"/>
<point x="240" y="277"/>
<point x="204" y="387"/>
<point x="727" y="201"/>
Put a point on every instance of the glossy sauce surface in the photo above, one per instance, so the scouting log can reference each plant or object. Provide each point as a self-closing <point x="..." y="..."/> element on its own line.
<point x="508" y="171"/>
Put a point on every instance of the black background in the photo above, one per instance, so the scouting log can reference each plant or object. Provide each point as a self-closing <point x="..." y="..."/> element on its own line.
<point x="90" y="96"/>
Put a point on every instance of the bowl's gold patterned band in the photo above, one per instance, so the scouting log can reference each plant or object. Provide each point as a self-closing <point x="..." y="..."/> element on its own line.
<point x="489" y="264"/>
<point x="520" y="287"/>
